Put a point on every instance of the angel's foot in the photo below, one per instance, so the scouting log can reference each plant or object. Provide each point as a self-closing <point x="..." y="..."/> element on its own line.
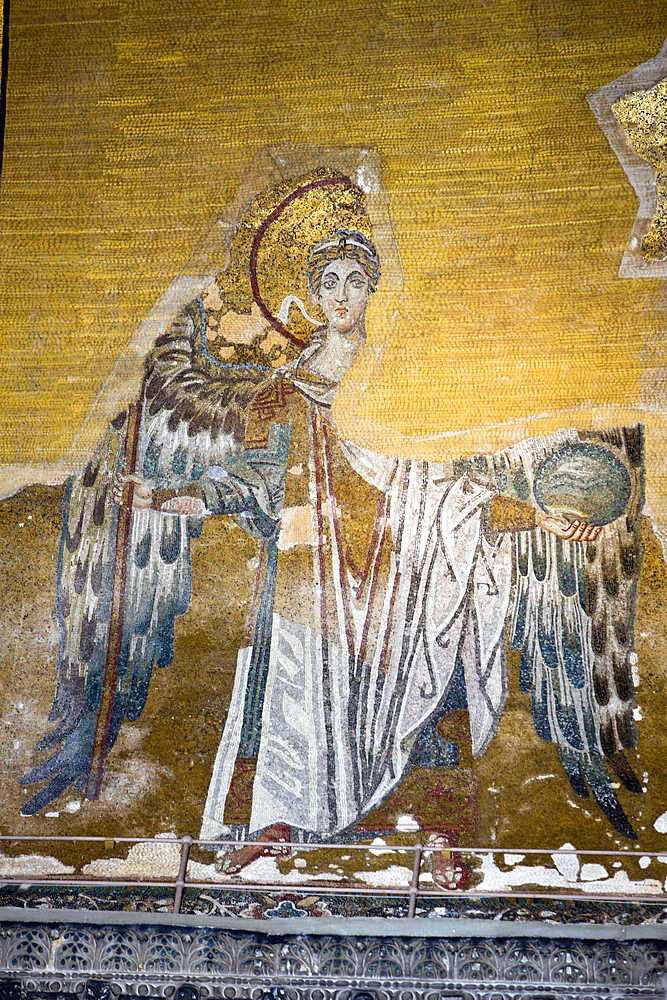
<point x="451" y="873"/>
<point x="446" y="866"/>
<point x="236" y="861"/>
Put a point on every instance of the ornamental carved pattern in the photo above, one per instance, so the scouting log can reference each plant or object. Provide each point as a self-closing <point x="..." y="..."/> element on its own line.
<point x="68" y="961"/>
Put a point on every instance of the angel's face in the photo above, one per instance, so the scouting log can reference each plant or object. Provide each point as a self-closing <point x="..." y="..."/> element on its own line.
<point x="344" y="293"/>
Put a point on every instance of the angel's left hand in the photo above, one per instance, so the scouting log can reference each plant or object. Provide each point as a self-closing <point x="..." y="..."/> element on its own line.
<point x="141" y="493"/>
<point x="573" y="531"/>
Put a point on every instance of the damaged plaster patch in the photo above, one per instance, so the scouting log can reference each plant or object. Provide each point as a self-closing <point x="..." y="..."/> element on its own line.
<point x="593" y="873"/>
<point x="151" y="860"/>
<point x="162" y="860"/>
<point x="32" y="866"/>
<point x="407" y="824"/>
<point x="567" y="864"/>
<point x="393" y="877"/>
<point x="495" y="880"/>
<point x="378" y="843"/>
<point x="263" y="871"/>
<point x="139" y="776"/>
<point x="661" y="823"/>
<point x="143" y="860"/>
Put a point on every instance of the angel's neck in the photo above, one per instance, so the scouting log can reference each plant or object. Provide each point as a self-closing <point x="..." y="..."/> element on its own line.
<point x="338" y="351"/>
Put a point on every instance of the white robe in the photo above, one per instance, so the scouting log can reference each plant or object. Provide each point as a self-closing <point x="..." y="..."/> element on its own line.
<point x="451" y="592"/>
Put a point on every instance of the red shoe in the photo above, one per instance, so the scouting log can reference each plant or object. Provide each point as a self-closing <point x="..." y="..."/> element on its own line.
<point x="236" y="861"/>
<point x="450" y="873"/>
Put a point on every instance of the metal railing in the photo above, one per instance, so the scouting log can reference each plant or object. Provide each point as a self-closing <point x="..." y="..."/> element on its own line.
<point x="418" y="886"/>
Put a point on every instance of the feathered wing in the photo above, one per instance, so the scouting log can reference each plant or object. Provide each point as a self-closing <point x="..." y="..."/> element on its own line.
<point x="83" y="605"/>
<point x="573" y="622"/>
<point x="192" y="417"/>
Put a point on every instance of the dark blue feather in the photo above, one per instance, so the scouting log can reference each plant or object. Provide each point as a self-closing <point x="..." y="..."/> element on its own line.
<point x="182" y="592"/>
<point x="170" y="545"/>
<point x="152" y="458"/>
<point x="520" y="618"/>
<point x="581" y="586"/>
<point x="179" y="461"/>
<point x="540" y="713"/>
<point x="76" y="768"/>
<point x="526" y="672"/>
<point x="143" y="550"/>
<point x="164" y="644"/>
<point x="590" y="729"/>
<point x="571" y="762"/>
<point x="569" y="726"/>
<point x="194" y="526"/>
<point x="141" y="660"/>
<point x="143" y="604"/>
<point x="500" y="473"/>
<point x="520" y="486"/>
<point x="567" y="577"/>
<point x="140" y="683"/>
<point x="94" y="688"/>
<point x="547" y="645"/>
<point x="73" y="757"/>
<point x="573" y="654"/>
<point x="95" y="674"/>
<point x="199" y="465"/>
<point x="597" y="777"/>
<point x="61" y="731"/>
<point x="117" y="717"/>
<point x="49" y="767"/>
<point x="539" y="554"/>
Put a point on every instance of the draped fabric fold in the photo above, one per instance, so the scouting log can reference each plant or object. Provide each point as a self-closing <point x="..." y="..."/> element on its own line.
<point x="348" y="693"/>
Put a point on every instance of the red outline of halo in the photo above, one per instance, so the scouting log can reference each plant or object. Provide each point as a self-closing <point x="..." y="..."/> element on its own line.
<point x="259" y="236"/>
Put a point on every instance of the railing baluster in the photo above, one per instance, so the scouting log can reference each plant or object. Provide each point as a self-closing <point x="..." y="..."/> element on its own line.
<point x="414" y="885"/>
<point x="186" y="843"/>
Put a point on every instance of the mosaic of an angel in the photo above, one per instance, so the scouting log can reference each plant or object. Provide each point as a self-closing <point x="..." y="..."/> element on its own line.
<point x="388" y="589"/>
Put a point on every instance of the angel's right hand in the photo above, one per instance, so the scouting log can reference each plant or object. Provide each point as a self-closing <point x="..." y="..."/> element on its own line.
<point x="572" y="530"/>
<point x="142" y="494"/>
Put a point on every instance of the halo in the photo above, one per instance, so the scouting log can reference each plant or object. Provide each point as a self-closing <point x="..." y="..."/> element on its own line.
<point x="259" y="236"/>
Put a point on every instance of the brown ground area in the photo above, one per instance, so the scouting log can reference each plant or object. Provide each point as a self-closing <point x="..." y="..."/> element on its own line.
<point x="158" y="773"/>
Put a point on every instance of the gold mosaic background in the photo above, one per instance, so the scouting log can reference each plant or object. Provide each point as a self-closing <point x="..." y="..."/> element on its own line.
<point x="130" y="125"/>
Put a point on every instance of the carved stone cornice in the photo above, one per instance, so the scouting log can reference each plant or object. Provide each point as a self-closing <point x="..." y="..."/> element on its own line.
<point x="99" y="962"/>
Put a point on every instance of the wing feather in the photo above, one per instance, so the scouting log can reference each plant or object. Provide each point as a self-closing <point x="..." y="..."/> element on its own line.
<point x="573" y="621"/>
<point x="193" y="417"/>
<point x="612" y="571"/>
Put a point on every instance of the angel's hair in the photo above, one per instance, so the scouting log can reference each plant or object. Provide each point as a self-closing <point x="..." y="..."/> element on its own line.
<point x="341" y="244"/>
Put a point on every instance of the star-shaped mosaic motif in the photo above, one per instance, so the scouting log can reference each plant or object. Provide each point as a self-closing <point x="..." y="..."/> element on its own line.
<point x="643" y="115"/>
